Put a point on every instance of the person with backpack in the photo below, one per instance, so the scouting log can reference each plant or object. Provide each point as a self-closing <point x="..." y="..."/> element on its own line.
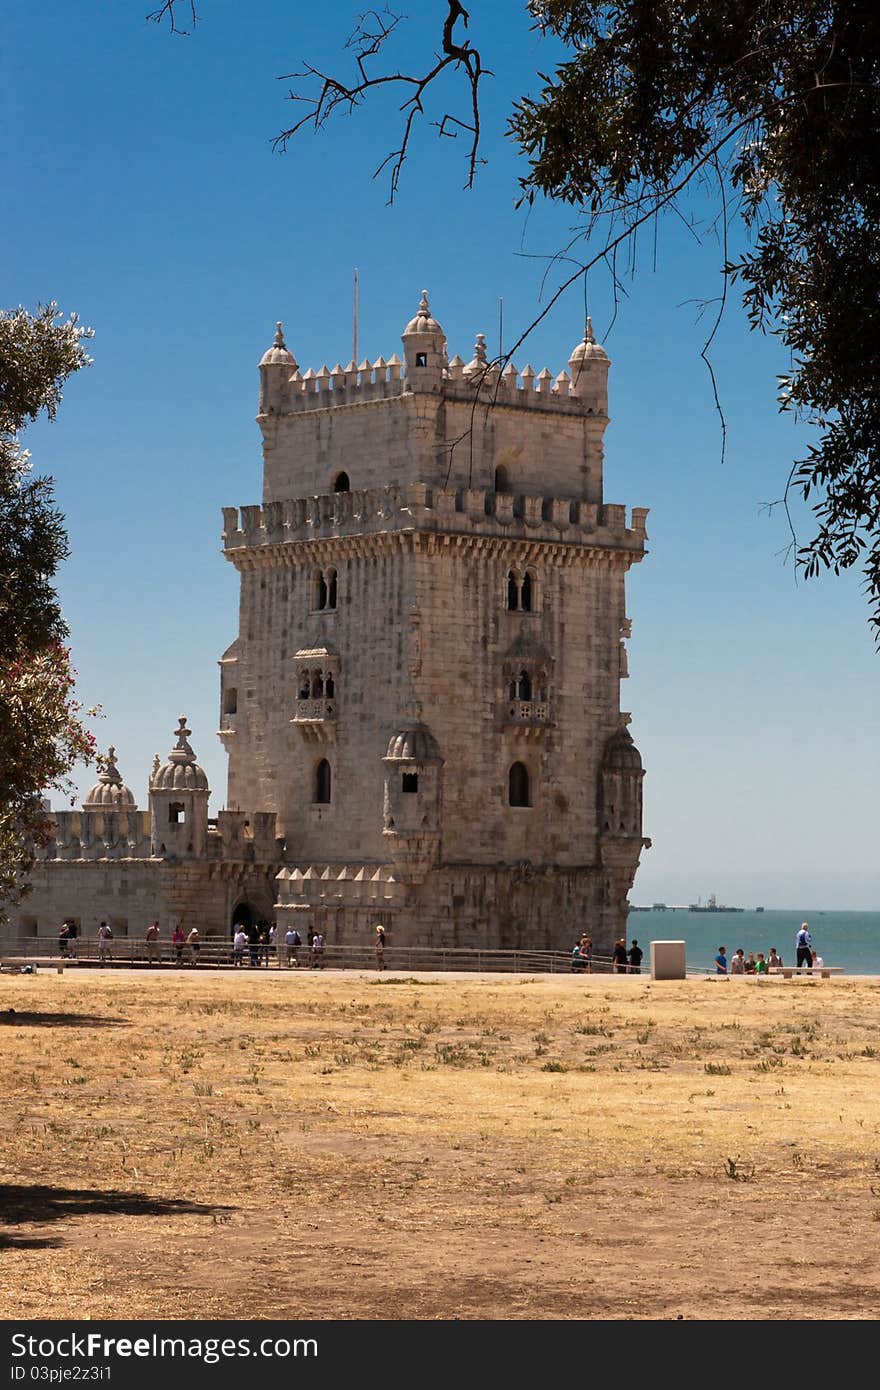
<point x="803" y="945"/>
<point x="153" y="943"/>
<point x="292" y="940"/>
<point x="105" y="936"/>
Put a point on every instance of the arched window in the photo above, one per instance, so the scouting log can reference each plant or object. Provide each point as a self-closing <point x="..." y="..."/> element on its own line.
<point x="322" y="782"/>
<point x="331" y="588"/>
<point x="518" y="785"/>
<point x="318" y="687"/>
<point x="502" y="481"/>
<point x="341" y="483"/>
<point x="513" y="689"/>
<point x="329" y="689"/>
<point x="305" y="688"/>
<point x="513" y="591"/>
<point x="319" y="590"/>
<point x="526" y="593"/>
<point x="524" y="686"/>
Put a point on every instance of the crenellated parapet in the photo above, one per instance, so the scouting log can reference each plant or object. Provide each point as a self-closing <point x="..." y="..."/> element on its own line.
<point x="99" y="834"/>
<point x="245" y="837"/>
<point x="338" y="885"/>
<point x="420" y="507"/>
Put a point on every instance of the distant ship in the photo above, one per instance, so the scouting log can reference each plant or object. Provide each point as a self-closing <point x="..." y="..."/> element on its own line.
<point x="712" y="906"/>
<point x="759" y="909"/>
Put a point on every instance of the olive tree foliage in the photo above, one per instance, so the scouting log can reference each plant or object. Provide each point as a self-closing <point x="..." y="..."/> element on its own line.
<point x="771" y="109"/>
<point x="41" y="733"/>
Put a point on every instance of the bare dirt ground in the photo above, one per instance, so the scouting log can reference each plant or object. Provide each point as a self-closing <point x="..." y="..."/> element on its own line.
<point x="318" y="1144"/>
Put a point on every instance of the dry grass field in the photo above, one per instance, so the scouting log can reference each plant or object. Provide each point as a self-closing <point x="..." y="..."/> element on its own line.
<point x="353" y="1145"/>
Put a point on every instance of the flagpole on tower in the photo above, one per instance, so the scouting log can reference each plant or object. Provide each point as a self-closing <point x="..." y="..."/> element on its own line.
<point x="355" y="353"/>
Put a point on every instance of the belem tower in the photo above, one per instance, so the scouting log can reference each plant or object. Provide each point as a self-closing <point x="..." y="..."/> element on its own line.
<point x="421" y="709"/>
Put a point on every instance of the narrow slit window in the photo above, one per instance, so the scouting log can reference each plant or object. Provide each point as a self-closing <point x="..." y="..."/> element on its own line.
<point x="512" y="592"/>
<point x="518" y="785"/>
<point x="323" y="783"/>
<point x="526" y="592"/>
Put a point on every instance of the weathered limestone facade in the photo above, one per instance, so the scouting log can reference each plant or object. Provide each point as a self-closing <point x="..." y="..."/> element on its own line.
<point x="426" y="682"/>
<point x="423" y="699"/>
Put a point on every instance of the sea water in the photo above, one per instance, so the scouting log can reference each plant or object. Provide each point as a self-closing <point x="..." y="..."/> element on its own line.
<point x="847" y="939"/>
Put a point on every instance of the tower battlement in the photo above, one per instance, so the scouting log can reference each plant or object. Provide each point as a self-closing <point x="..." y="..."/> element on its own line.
<point x="421" y="507"/>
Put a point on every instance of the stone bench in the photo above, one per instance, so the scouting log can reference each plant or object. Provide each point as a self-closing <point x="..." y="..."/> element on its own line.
<point x="786" y="971"/>
<point x="36" y="961"/>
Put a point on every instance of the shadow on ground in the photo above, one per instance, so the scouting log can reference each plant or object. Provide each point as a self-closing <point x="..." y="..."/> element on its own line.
<point x="21" y="1204"/>
<point x="23" y="1018"/>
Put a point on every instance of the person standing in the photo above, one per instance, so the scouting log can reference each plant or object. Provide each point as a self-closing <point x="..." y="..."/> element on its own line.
<point x="105" y="936"/>
<point x="738" y="962"/>
<point x="239" y="941"/>
<point x="293" y="941"/>
<point x="721" y="961"/>
<point x="619" y="959"/>
<point x="803" y="944"/>
<point x="64" y="938"/>
<point x="178" y="941"/>
<point x="380" y="947"/>
<point x="194" y="945"/>
<point x="318" y="951"/>
<point x="153" y="943"/>
<point x="587" y="953"/>
<point x="635" y="958"/>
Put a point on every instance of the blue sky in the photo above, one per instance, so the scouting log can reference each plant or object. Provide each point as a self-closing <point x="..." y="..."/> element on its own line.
<point x="142" y="191"/>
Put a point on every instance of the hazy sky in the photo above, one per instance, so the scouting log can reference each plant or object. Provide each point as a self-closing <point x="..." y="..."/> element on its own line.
<point x="141" y="190"/>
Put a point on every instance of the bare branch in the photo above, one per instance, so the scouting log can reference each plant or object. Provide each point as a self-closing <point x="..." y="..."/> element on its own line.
<point x="372" y="32"/>
<point x="169" y="11"/>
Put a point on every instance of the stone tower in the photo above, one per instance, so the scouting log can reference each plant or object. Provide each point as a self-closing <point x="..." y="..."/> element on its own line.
<point x="425" y="686"/>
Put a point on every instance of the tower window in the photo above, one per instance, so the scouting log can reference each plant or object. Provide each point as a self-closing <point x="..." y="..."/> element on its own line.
<point x="323" y="779"/>
<point x="525" y="593"/>
<point x="331" y="588"/>
<point x="176" y="813"/>
<point x="502" y="481"/>
<point x="421" y="359"/>
<point x="513" y="591"/>
<point x="341" y="483"/>
<point x="410" y="782"/>
<point x="230" y="701"/>
<point x="518" y="785"/>
<point x="324" y="589"/>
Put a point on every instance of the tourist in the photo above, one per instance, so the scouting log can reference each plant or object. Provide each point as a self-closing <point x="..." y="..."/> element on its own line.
<point x="105" y="936"/>
<point x="803" y="943"/>
<point x="760" y="964"/>
<point x="721" y="961"/>
<point x="264" y="943"/>
<point x="64" y="938"/>
<point x="577" y="963"/>
<point x="178" y="941"/>
<point x="750" y="963"/>
<point x="619" y="959"/>
<point x="380" y="947"/>
<point x="292" y="941"/>
<point x="273" y="932"/>
<point x="194" y="945"/>
<point x="152" y="943"/>
<point x="239" y="941"/>
<point x="774" y="961"/>
<point x="738" y="962"/>
<point x="635" y="958"/>
<point x="253" y="936"/>
<point x="818" y="962"/>
<point x="318" y="951"/>
<point x="587" y="953"/>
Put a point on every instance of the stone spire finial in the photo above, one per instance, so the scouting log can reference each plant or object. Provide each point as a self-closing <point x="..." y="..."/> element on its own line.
<point x="424" y="306"/>
<point x="589" y="335"/>
<point x="111" y="775"/>
<point x="279" y="336"/>
<point x="181" y="752"/>
<point x="157" y="763"/>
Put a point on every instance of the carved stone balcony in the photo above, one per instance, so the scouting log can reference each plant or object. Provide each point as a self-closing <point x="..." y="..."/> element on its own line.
<point x="531" y="717"/>
<point x="316" y="720"/>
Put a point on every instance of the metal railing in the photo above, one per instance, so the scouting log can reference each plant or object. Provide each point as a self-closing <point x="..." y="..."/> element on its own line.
<point x="216" y="953"/>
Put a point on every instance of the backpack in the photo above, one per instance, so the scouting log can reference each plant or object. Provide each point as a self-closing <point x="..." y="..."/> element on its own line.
<point x="296" y="939"/>
<point x="107" y="932"/>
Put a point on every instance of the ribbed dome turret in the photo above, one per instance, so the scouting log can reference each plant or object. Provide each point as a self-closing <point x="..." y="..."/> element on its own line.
<point x="621" y="753"/>
<point x="588" y="350"/>
<point x="110" y="792"/>
<point x="415" y="744"/>
<point x="278" y="355"/>
<point x="423" y="322"/>
<point x="181" y="772"/>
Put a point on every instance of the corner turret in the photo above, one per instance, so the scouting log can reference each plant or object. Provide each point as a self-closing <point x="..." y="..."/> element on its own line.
<point x="277" y="366"/>
<point x="179" y="802"/>
<point x="424" y="350"/>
